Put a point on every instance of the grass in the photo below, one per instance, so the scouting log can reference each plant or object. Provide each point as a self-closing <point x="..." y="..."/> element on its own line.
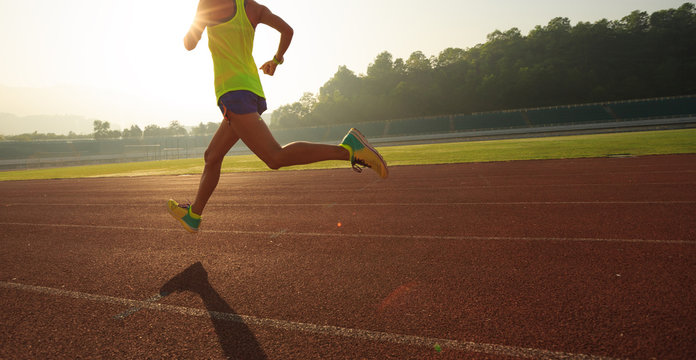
<point x="563" y="147"/>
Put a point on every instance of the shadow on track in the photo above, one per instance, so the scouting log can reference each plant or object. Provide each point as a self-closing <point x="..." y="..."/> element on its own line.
<point x="236" y="339"/>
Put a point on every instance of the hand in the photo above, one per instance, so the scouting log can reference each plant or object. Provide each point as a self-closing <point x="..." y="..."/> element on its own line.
<point x="269" y="67"/>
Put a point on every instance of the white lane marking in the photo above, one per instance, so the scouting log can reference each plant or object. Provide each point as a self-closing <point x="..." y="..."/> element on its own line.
<point x="153" y="299"/>
<point x="330" y="205"/>
<point x="373" y="182"/>
<point x="400" y="188"/>
<point x="337" y="331"/>
<point x="359" y="235"/>
<point x="278" y="233"/>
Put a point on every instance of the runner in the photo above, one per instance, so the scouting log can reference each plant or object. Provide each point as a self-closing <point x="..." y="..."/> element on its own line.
<point x="231" y="25"/>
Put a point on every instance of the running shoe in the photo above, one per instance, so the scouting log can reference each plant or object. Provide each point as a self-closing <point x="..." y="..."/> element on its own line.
<point x="186" y="217"/>
<point x="361" y="153"/>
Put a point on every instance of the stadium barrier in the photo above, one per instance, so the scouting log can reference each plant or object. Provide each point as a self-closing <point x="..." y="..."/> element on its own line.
<point x="678" y="111"/>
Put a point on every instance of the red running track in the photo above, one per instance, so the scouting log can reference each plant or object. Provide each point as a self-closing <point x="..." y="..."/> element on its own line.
<point x="589" y="258"/>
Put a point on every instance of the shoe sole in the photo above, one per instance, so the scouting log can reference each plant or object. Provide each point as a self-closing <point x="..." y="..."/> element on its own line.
<point x="183" y="223"/>
<point x="363" y="140"/>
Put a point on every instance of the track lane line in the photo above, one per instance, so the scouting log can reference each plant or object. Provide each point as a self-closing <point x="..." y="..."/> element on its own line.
<point x="329" y="205"/>
<point x="359" y="235"/>
<point x="336" y="331"/>
<point x="153" y="299"/>
<point x="448" y="187"/>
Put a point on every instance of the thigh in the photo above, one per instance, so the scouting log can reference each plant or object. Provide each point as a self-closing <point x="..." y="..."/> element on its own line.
<point x="255" y="134"/>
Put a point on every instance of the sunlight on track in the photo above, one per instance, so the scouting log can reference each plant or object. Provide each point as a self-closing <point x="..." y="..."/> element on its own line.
<point x="428" y="260"/>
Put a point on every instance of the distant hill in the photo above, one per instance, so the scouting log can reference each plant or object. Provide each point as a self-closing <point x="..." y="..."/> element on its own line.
<point x="11" y="124"/>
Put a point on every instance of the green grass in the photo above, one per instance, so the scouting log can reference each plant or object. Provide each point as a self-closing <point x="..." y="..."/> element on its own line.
<point x="565" y="147"/>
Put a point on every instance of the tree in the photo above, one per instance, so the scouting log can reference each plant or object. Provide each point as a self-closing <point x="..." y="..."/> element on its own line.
<point x="212" y="128"/>
<point x="205" y="129"/>
<point x="199" y="130"/>
<point x="134" y="132"/>
<point x="449" y="56"/>
<point x="154" y="130"/>
<point x="641" y="55"/>
<point x="383" y="66"/>
<point x="636" y="22"/>
<point x="102" y="130"/>
<point x="417" y="62"/>
<point x="285" y="116"/>
<point x="344" y="83"/>
<point x="176" y="129"/>
<point x="307" y="103"/>
<point x="295" y="114"/>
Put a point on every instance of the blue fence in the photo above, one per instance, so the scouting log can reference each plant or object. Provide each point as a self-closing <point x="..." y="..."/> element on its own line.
<point x="157" y="148"/>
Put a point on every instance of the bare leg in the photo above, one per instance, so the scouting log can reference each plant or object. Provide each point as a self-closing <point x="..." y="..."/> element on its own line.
<point x="222" y="142"/>
<point x="255" y="134"/>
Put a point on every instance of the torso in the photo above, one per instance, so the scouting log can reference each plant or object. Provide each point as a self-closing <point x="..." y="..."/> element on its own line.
<point x="230" y="40"/>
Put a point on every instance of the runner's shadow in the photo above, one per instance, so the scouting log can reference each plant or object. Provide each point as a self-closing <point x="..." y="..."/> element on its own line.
<point x="236" y="339"/>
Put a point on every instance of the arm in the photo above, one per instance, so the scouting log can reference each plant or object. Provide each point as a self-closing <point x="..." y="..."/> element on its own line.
<point x="193" y="36"/>
<point x="286" y="32"/>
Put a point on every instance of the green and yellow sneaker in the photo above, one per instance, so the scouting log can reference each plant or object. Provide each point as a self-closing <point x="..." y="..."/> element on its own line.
<point x="361" y="153"/>
<point x="186" y="217"/>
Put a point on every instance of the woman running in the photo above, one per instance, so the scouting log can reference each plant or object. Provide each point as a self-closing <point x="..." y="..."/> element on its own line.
<point x="231" y="25"/>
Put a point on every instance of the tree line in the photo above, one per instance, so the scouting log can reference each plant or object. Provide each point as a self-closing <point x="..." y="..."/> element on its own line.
<point x="639" y="56"/>
<point x="102" y="130"/>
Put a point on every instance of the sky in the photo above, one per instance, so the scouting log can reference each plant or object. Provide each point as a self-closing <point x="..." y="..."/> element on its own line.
<point x="123" y="61"/>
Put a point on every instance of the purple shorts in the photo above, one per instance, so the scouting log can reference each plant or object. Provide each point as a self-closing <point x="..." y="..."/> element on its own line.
<point x="241" y="102"/>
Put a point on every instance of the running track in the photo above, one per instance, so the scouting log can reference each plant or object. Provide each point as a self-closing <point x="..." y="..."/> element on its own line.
<point x="577" y="259"/>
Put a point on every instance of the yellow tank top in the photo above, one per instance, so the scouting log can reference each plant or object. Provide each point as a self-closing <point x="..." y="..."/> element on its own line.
<point x="231" y="44"/>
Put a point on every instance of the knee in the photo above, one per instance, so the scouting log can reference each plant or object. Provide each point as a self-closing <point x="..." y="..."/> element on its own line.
<point x="273" y="164"/>
<point x="212" y="158"/>
<point x="274" y="161"/>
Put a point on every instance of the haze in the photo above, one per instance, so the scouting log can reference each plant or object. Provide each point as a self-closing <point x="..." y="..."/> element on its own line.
<point x="123" y="61"/>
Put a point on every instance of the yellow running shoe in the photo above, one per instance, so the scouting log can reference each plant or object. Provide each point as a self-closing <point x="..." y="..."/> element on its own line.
<point x="361" y="153"/>
<point x="190" y="221"/>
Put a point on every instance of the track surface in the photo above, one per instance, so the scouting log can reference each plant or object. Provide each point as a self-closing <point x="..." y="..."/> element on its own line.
<point x="578" y="259"/>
